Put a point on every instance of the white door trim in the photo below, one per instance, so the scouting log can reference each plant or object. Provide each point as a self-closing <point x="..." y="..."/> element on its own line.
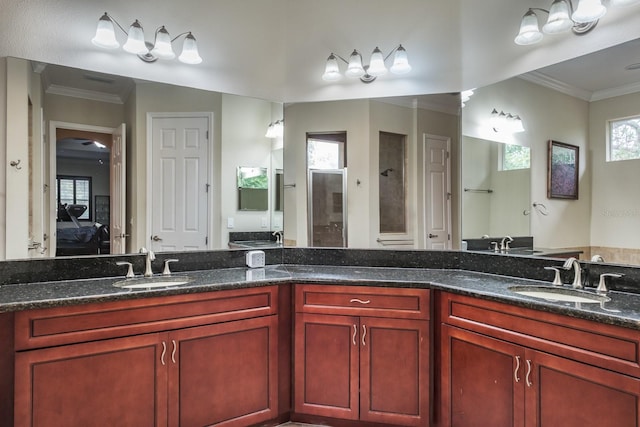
<point x="213" y="191"/>
<point x="53" y="208"/>
<point x="425" y="200"/>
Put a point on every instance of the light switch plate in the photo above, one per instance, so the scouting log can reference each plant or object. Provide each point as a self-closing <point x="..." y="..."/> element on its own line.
<point x="230" y="222"/>
<point x="255" y="259"/>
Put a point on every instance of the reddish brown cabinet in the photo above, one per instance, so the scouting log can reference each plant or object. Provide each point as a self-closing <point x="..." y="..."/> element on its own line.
<point x="361" y="367"/>
<point x="223" y="373"/>
<point x="498" y="371"/>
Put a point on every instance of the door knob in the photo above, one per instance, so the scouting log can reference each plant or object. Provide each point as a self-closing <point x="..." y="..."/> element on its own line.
<point x="156" y="238"/>
<point x="432" y="236"/>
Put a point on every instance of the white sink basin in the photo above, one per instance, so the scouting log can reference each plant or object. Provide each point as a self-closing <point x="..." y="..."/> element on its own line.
<point x="152" y="282"/>
<point x="552" y="293"/>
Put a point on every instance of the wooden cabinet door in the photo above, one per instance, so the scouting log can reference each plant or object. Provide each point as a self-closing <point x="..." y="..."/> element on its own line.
<point x="116" y="382"/>
<point x="562" y="392"/>
<point x="394" y="371"/>
<point x="224" y="374"/>
<point x="482" y="381"/>
<point x="326" y="365"/>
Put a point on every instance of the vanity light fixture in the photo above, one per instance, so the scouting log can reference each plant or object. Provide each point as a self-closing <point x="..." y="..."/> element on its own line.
<point x="275" y="129"/>
<point x="506" y="122"/>
<point x="367" y="73"/>
<point x="562" y="17"/>
<point x="149" y="52"/>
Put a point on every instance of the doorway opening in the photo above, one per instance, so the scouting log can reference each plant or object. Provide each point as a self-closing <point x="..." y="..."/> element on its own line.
<point x="327" y="192"/>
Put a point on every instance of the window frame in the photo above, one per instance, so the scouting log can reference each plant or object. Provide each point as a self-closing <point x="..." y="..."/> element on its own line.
<point x="75" y="195"/>
<point x="609" y="130"/>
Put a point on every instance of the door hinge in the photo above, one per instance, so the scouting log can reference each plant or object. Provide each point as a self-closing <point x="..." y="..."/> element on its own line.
<point x="206" y="187"/>
<point x="207" y="135"/>
<point x="447" y="154"/>
<point x="448" y="236"/>
<point x="448" y="196"/>
<point x="206" y="240"/>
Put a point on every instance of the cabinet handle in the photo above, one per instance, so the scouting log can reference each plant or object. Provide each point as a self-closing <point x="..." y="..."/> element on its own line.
<point x="515" y="373"/>
<point x="364" y="334"/>
<point x="164" y="351"/>
<point x="360" y="301"/>
<point x="355" y="332"/>
<point x="529" y="383"/>
<point x="173" y="353"/>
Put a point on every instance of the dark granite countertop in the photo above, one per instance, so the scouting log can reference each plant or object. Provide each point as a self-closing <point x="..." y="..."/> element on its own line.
<point x="622" y="310"/>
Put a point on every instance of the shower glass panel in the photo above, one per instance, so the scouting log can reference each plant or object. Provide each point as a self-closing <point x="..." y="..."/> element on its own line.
<point x="327" y="199"/>
<point x="392" y="196"/>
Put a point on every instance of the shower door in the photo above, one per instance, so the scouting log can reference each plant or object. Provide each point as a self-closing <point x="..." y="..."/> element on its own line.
<point x="327" y="208"/>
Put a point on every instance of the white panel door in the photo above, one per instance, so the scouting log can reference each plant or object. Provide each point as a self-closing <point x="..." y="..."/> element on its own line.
<point x="117" y="221"/>
<point x="179" y="184"/>
<point x="436" y="187"/>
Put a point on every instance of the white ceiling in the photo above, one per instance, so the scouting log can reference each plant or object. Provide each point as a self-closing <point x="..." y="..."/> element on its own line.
<point x="276" y="49"/>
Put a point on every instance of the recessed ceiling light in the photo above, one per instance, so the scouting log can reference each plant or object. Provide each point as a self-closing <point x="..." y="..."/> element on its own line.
<point x="635" y="66"/>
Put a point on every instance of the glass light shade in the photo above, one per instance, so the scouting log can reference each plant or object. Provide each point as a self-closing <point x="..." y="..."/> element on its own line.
<point x="376" y="65"/>
<point x="559" y="19"/>
<point x="517" y="125"/>
<point x="270" y="131"/>
<point x="331" y="70"/>
<point x="135" y="40"/>
<point x="494" y="121"/>
<point x="278" y="129"/>
<point x="355" y="69"/>
<point x="529" y="30"/>
<point x="466" y="95"/>
<point x="105" y="35"/>
<point x="162" y="47"/>
<point x="588" y="11"/>
<point x="623" y="3"/>
<point x="190" y="53"/>
<point x="400" y="62"/>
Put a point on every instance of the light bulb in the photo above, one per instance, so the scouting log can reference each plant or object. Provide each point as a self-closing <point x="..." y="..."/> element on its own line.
<point x="190" y="53"/>
<point x="529" y="30"/>
<point x="105" y="35"/>
<point x="135" y="40"/>
<point x="162" y="47"/>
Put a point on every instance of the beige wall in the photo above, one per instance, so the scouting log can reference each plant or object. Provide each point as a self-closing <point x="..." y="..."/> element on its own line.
<point x="616" y="199"/>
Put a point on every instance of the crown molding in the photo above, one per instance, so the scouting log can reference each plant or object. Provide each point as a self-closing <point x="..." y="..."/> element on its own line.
<point x="616" y="91"/>
<point x="543" y="80"/>
<point x="84" y="94"/>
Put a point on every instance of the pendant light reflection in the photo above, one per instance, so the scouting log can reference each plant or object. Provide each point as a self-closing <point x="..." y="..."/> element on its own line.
<point x="367" y="73"/>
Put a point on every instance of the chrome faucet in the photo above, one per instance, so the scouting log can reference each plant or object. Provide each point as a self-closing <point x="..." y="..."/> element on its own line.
<point x="577" y="269"/>
<point x="148" y="272"/>
<point x="504" y="243"/>
<point x="278" y="235"/>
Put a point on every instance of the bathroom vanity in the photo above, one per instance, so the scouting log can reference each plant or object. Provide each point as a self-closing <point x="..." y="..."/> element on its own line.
<point x="358" y="342"/>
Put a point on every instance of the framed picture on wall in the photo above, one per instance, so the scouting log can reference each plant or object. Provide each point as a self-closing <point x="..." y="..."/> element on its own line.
<point x="102" y="213"/>
<point x="562" y="170"/>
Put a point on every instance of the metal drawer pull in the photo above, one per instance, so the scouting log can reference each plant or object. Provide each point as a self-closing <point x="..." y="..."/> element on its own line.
<point x="360" y="301"/>
<point x="164" y="351"/>
<point x="529" y="383"/>
<point x="173" y="353"/>
<point x="364" y="334"/>
<point x="355" y="332"/>
<point x="515" y="373"/>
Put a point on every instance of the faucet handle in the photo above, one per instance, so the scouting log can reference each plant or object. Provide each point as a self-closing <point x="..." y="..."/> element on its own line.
<point x="556" y="280"/>
<point x="166" y="271"/>
<point x="129" y="274"/>
<point x="602" y="285"/>
<point x="495" y="246"/>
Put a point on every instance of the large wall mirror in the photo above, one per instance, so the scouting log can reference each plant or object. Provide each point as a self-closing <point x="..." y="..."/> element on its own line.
<point x="393" y="157"/>
<point x="153" y="162"/>
<point x="574" y="102"/>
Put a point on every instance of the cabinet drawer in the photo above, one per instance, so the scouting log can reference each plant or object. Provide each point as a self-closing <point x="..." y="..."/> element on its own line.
<point x="608" y="346"/>
<point x="400" y="303"/>
<point x="65" y="325"/>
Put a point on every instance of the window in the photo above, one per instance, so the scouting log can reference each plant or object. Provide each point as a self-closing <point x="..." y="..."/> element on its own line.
<point x="75" y="190"/>
<point x="515" y="157"/>
<point x="624" y="139"/>
<point x="326" y="151"/>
